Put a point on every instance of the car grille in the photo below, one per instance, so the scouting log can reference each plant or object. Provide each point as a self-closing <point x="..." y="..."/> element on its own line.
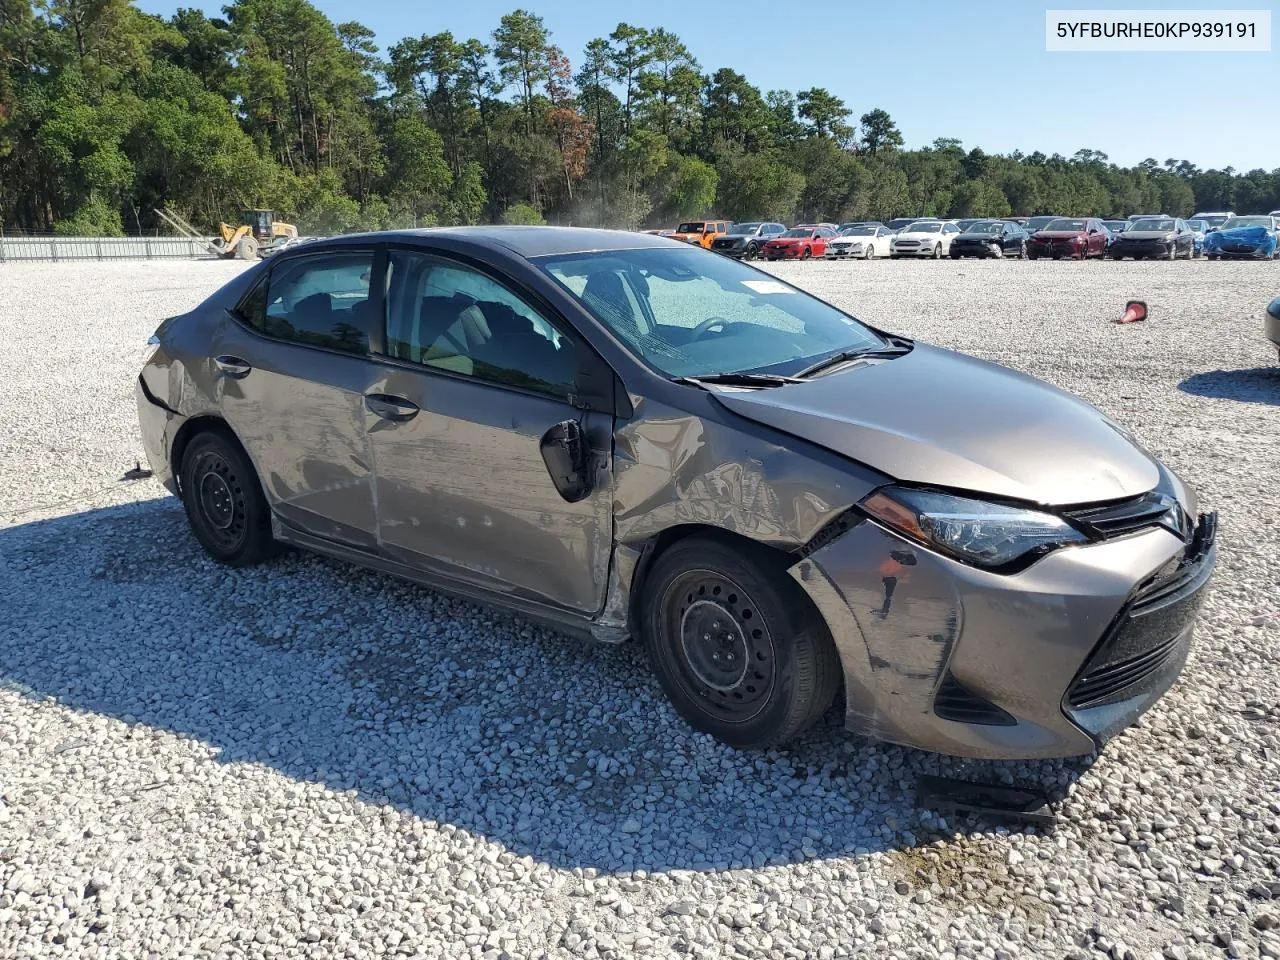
<point x="1153" y="628"/>
<point x="1117" y="519"/>
<point x="906" y="243"/>
<point x="1239" y="247"/>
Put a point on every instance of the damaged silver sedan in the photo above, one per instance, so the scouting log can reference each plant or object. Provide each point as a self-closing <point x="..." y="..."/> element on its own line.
<point x="624" y="436"/>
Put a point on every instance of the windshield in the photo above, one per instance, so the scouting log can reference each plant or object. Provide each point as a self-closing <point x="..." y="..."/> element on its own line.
<point x="742" y="229"/>
<point x="692" y="313"/>
<point x="858" y="231"/>
<point x="988" y="226"/>
<point x="1152" y="223"/>
<point x="799" y="232"/>
<point x="1246" y="222"/>
<point x="1062" y="223"/>
<point x="692" y="226"/>
<point x="923" y="226"/>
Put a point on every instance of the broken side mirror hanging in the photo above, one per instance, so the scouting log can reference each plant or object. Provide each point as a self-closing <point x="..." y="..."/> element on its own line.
<point x="564" y="451"/>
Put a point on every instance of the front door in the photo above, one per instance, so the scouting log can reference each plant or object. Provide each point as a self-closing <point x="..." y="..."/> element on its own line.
<point x="473" y="381"/>
<point x="292" y="368"/>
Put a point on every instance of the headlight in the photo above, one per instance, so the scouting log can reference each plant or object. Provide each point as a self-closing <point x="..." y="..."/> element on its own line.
<point x="983" y="534"/>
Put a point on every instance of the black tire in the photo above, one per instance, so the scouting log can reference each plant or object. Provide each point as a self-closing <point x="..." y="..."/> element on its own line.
<point x="224" y="502"/>
<point x="752" y="252"/>
<point x="806" y="253"/>
<point x="771" y="673"/>
<point x="1173" y="251"/>
<point x="869" y="252"/>
<point x="1022" y="250"/>
<point x="937" y="252"/>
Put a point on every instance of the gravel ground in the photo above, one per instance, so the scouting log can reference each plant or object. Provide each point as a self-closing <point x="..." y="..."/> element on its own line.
<point x="307" y="760"/>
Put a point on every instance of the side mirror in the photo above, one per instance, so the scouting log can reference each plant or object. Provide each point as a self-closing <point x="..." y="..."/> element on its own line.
<point x="564" y="451"/>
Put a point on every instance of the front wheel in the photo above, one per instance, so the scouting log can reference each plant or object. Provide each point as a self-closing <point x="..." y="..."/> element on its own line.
<point x="224" y="502"/>
<point x="806" y="253"/>
<point x="736" y="646"/>
<point x="1022" y="250"/>
<point x="752" y="252"/>
<point x="937" y="252"/>
<point x="869" y="251"/>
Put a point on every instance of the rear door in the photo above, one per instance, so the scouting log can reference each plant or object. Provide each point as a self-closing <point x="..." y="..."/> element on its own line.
<point x="479" y="374"/>
<point x="293" y="365"/>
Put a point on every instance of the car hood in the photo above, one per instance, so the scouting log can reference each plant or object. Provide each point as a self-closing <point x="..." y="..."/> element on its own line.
<point x="976" y="237"/>
<point x="1242" y="233"/>
<point x="1146" y="235"/>
<point x="790" y="239"/>
<point x="918" y="235"/>
<point x="949" y="420"/>
<point x="1059" y="234"/>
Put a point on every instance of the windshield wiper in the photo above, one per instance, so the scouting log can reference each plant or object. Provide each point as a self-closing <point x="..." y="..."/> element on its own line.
<point x="741" y="379"/>
<point x="844" y="356"/>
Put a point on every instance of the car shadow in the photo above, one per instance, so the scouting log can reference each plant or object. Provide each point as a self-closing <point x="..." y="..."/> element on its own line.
<point x="561" y="750"/>
<point x="1256" y="385"/>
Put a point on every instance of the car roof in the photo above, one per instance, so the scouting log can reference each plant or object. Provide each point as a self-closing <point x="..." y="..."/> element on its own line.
<point x="527" y="242"/>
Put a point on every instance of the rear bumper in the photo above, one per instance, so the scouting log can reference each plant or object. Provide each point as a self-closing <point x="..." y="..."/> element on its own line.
<point x="945" y="657"/>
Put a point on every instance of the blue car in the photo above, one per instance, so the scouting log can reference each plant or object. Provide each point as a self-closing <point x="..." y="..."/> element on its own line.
<point x="1254" y="238"/>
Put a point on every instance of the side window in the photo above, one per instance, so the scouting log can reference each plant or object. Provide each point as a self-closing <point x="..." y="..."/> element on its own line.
<point x="448" y="316"/>
<point x="320" y="301"/>
<point x="721" y="227"/>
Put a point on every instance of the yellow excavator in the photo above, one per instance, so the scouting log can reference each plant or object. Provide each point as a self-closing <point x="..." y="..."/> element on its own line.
<point x="258" y="235"/>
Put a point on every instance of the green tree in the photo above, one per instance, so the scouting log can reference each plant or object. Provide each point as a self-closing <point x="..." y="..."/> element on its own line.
<point x="879" y="132"/>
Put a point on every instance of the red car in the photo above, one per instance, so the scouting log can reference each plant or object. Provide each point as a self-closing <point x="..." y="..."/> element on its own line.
<point x="1069" y="237"/>
<point x="799" y="243"/>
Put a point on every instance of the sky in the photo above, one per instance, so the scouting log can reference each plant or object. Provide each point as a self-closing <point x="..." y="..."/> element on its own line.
<point x="975" y="70"/>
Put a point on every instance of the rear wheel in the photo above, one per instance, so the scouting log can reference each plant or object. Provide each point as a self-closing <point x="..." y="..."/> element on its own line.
<point x="224" y="502"/>
<point x="736" y="646"/>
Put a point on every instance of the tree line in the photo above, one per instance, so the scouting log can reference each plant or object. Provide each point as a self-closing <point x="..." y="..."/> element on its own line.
<point x="107" y="112"/>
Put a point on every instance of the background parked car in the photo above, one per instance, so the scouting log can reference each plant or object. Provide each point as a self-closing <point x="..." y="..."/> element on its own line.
<point x="1214" y="218"/>
<point x="800" y="242"/>
<point x="863" y="241"/>
<point x="990" y="238"/>
<point x="1037" y="223"/>
<point x="924" y="238"/>
<point x="1166" y="238"/>
<point x="967" y="222"/>
<point x="744" y="240"/>
<point x="1071" y="237"/>
<point x="1253" y="238"/>
<point x="1198" y="230"/>
<point x="897" y="223"/>
<point x="1114" y="229"/>
<point x="860" y="223"/>
<point x="702" y="232"/>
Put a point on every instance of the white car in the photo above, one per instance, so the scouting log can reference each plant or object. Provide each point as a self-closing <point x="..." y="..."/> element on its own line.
<point x="863" y="243"/>
<point x="924" y="238"/>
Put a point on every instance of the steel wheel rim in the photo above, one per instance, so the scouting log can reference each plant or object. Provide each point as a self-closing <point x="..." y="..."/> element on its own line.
<point x="218" y="499"/>
<point x="736" y="685"/>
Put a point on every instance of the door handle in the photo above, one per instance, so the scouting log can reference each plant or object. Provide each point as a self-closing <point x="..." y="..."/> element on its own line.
<point x="390" y="408"/>
<point x="232" y="366"/>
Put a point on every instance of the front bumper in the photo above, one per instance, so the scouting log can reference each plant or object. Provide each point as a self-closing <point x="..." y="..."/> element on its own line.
<point x="783" y="253"/>
<point x="737" y="251"/>
<point x="1131" y="249"/>
<point x="1047" y="662"/>
<point x="1055" y="248"/>
<point x="1241" y="251"/>
<point x="973" y="249"/>
<point x="840" y="253"/>
<point x="913" y="251"/>
<point x="1271" y="326"/>
<point x="158" y="426"/>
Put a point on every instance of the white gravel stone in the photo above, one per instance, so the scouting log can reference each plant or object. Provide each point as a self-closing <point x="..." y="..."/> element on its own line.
<point x="308" y="760"/>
